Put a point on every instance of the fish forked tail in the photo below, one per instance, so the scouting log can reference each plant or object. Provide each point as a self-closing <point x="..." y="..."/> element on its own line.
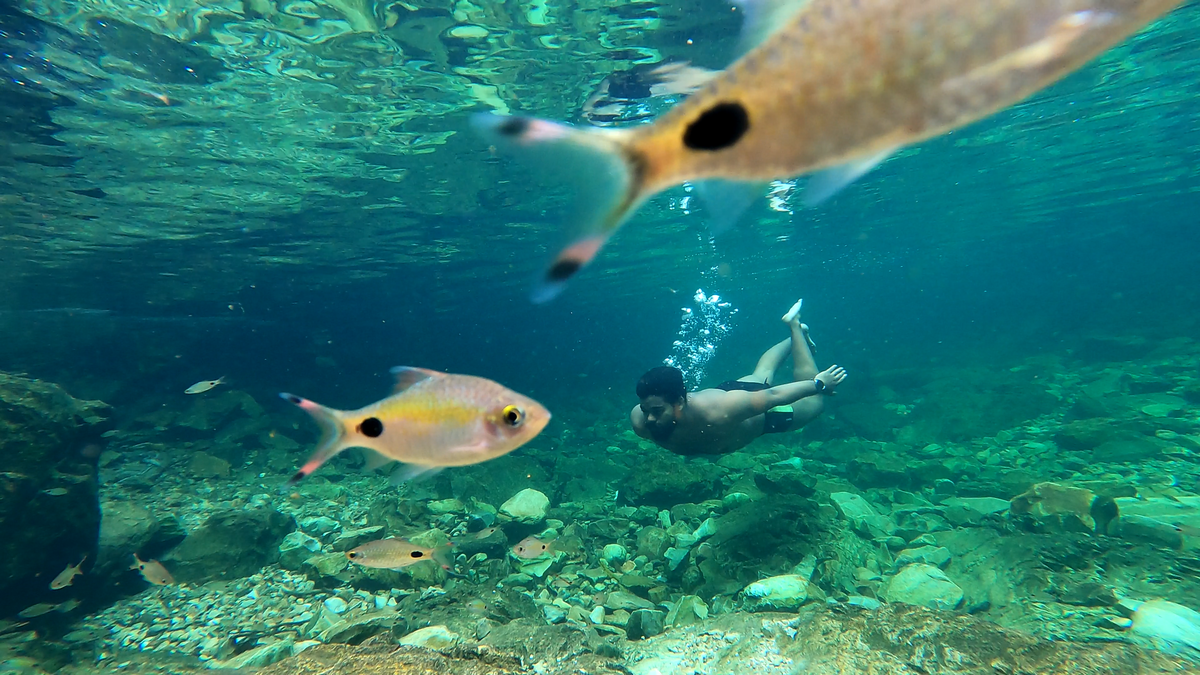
<point x="333" y="435"/>
<point x="597" y="162"/>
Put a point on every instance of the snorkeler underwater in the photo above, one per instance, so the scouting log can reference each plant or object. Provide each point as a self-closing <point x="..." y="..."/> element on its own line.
<point x="972" y="447"/>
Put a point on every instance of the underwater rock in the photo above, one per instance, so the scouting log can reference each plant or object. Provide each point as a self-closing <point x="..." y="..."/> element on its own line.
<point x="664" y="481"/>
<point x="348" y="539"/>
<point x="230" y="544"/>
<point x="359" y="627"/>
<point x="1166" y="625"/>
<point x="204" y="465"/>
<point x="527" y="506"/>
<point x="786" y="481"/>
<point x="644" y="623"/>
<point x="690" y="609"/>
<point x="938" y="556"/>
<point x="925" y="585"/>
<point x="875" y="469"/>
<point x="786" y="592"/>
<point x="440" y="507"/>
<point x="889" y="640"/>
<point x="326" y="564"/>
<point x="1133" y="449"/>
<point x="49" y="509"/>
<point x="127" y="527"/>
<point x="862" y="516"/>
<point x="1173" y="522"/>
<point x="437" y="638"/>
<point x="614" y="555"/>
<point x="626" y="601"/>
<point x="961" y="511"/>
<point x="1061" y="508"/>
<point x="262" y="655"/>
<point x="1088" y="594"/>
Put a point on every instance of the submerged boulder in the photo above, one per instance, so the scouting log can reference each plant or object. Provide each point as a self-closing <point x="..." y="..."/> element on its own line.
<point x="230" y="544"/>
<point x="49" y="506"/>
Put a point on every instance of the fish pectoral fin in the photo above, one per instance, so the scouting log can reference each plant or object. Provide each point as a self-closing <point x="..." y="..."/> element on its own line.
<point x="407" y="376"/>
<point x="827" y="183"/>
<point x="762" y="18"/>
<point x="596" y="162"/>
<point x="726" y="201"/>
<point x="375" y="459"/>
<point x="407" y="472"/>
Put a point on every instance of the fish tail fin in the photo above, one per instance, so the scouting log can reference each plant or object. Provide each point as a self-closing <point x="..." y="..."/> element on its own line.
<point x="333" y="435"/>
<point x="607" y="174"/>
<point x="443" y="555"/>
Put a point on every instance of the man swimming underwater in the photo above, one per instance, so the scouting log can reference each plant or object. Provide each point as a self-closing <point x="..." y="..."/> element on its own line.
<point x="725" y="419"/>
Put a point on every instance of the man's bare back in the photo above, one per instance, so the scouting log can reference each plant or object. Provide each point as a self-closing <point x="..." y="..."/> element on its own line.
<point x="729" y="417"/>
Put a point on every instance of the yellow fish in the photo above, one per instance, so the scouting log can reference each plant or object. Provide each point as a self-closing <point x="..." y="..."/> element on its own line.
<point x="837" y="87"/>
<point x="394" y="554"/>
<point x="204" y="385"/>
<point x="67" y="577"/>
<point x="531" y="548"/>
<point x="433" y="420"/>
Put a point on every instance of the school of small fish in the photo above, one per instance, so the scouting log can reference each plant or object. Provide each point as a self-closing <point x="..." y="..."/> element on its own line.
<point x="825" y="85"/>
<point x="431" y="421"/>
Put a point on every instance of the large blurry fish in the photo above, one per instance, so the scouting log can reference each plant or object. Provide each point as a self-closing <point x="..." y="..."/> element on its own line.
<point x="837" y="86"/>
<point x="433" y="420"/>
<point x="394" y="554"/>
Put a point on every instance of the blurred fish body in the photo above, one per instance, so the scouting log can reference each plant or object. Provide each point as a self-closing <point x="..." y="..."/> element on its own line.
<point x="394" y="554"/>
<point x="433" y="420"/>
<point x="836" y="86"/>
<point x="204" y="385"/>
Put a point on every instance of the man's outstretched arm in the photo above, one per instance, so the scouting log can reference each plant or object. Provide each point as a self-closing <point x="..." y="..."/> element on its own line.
<point x="736" y="406"/>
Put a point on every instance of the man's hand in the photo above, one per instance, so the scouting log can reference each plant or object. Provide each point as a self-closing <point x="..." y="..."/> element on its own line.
<point x="832" y="377"/>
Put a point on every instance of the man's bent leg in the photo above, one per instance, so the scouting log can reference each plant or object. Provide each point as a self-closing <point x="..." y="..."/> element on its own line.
<point x="769" y="362"/>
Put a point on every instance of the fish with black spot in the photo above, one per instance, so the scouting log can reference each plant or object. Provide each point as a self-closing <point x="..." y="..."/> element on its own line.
<point x="431" y="421"/>
<point x="828" y="86"/>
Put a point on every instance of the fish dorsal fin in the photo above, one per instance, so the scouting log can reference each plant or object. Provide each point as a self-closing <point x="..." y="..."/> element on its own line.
<point x="407" y="376"/>
<point x="762" y="18"/>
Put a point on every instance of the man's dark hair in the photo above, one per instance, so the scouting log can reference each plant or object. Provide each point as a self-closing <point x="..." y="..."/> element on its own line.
<point x="663" y="381"/>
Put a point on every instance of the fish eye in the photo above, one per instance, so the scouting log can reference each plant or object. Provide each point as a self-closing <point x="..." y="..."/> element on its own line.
<point x="353" y="554"/>
<point x="513" y="415"/>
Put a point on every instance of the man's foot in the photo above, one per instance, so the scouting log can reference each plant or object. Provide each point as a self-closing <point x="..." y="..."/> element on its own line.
<point x="812" y="346"/>
<point x="793" y="314"/>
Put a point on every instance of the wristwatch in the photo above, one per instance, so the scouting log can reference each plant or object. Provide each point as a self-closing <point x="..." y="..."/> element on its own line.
<point x="821" y="386"/>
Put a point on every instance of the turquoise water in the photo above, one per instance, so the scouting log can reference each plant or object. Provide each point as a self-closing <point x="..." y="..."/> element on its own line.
<point x="287" y="194"/>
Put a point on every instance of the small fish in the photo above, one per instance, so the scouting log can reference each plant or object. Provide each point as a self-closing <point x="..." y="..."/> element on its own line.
<point x="56" y="492"/>
<point x="37" y="610"/>
<point x="485" y="533"/>
<point x="67" y="577"/>
<point x="824" y="85"/>
<point x="476" y="607"/>
<point x="204" y="385"/>
<point x="152" y="571"/>
<point x="68" y="605"/>
<point x="394" y="554"/>
<point x="530" y="548"/>
<point x="432" y="420"/>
